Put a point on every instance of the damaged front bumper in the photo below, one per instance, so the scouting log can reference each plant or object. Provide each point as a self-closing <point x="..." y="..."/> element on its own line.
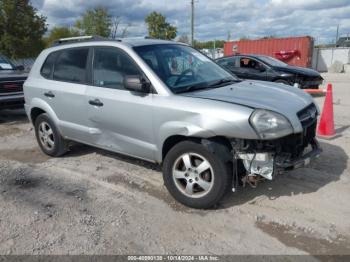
<point x="256" y="159"/>
<point x="303" y="160"/>
<point x="267" y="164"/>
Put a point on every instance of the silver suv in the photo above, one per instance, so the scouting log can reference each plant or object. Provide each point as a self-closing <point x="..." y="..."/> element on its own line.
<point x="167" y="103"/>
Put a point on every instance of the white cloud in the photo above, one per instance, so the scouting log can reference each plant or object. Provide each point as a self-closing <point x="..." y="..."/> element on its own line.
<point x="249" y="18"/>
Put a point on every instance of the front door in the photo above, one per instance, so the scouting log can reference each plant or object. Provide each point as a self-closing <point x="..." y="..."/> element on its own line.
<point x="251" y="69"/>
<point x="122" y="119"/>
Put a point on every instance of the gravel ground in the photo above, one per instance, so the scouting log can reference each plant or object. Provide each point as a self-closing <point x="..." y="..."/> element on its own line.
<point x="94" y="202"/>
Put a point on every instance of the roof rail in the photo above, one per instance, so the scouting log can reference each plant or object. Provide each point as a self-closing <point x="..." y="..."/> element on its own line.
<point x="87" y="38"/>
<point x="79" y="39"/>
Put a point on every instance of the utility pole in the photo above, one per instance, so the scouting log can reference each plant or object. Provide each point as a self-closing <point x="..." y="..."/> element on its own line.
<point x="214" y="50"/>
<point x="192" y="22"/>
<point x="337" y="36"/>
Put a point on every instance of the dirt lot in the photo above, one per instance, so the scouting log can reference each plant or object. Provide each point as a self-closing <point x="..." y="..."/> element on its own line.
<point x="95" y="202"/>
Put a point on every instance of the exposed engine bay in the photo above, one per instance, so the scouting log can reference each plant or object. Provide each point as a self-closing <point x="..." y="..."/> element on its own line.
<point x="258" y="160"/>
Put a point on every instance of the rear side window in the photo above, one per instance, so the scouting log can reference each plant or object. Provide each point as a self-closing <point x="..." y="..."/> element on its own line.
<point x="70" y="65"/>
<point x="47" y="68"/>
<point x="110" y="67"/>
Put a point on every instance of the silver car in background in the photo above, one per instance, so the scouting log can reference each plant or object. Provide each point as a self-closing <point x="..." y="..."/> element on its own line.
<point x="167" y="103"/>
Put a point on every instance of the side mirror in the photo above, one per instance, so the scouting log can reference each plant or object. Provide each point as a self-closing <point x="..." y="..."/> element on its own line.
<point x="136" y="83"/>
<point x="20" y="68"/>
<point x="262" y="69"/>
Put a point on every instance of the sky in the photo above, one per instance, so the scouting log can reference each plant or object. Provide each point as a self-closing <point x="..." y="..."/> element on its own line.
<point x="214" y="19"/>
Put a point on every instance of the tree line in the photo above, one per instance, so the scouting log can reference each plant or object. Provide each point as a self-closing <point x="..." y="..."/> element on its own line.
<point x="24" y="32"/>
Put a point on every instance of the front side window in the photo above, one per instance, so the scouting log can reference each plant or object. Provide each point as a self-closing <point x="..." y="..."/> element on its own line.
<point x="70" y="65"/>
<point x="251" y="64"/>
<point x="183" y="68"/>
<point x="110" y="66"/>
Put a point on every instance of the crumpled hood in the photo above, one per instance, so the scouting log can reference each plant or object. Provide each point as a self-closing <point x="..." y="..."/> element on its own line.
<point x="280" y="98"/>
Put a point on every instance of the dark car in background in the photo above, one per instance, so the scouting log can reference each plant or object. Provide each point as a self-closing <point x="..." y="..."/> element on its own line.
<point x="266" y="68"/>
<point x="11" y="84"/>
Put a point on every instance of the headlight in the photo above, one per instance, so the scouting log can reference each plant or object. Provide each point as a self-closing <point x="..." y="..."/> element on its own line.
<point x="269" y="124"/>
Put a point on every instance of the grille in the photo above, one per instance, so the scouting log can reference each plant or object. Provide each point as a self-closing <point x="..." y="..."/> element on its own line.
<point x="308" y="115"/>
<point x="11" y="86"/>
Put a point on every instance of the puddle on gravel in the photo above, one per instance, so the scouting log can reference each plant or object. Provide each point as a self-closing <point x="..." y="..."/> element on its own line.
<point x="294" y="237"/>
<point x="33" y="155"/>
<point x="26" y="182"/>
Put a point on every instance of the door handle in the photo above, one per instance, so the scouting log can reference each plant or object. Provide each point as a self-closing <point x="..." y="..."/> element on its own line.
<point x="96" y="102"/>
<point x="49" y="94"/>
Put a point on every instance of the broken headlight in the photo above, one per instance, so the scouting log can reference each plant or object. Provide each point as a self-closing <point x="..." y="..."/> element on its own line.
<point x="270" y="125"/>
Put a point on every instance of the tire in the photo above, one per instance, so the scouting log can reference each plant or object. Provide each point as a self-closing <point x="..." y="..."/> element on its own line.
<point x="281" y="81"/>
<point x="216" y="179"/>
<point x="51" y="143"/>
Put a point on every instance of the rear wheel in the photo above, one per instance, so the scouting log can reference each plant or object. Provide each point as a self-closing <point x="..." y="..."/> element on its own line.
<point x="195" y="176"/>
<point x="49" y="139"/>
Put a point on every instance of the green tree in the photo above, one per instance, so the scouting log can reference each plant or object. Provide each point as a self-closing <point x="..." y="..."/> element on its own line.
<point x="115" y="26"/>
<point x="159" y="28"/>
<point x="209" y="44"/>
<point x="60" y="32"/>
<point x="96" y="21"/>
<point x="21" y="29"/>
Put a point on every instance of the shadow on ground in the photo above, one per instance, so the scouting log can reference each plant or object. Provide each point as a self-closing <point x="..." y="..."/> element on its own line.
<point x="322" y="171"/>
<point x="77" y="150"/>
<point x="15" y="116"/>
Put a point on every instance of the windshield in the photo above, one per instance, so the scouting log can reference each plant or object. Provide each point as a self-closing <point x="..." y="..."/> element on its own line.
<point x="183" y="68"/>
<point x="5" y="64"/>
<point x="272" y="61"/>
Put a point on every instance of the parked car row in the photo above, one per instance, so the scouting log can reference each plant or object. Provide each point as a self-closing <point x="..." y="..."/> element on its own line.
<point x="167" y="103"/>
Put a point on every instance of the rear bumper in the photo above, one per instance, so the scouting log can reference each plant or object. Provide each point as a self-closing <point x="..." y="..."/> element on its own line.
<point x="11" y="101"/>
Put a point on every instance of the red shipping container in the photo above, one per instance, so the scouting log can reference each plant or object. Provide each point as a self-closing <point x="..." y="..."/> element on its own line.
<point x="292" y="50"/>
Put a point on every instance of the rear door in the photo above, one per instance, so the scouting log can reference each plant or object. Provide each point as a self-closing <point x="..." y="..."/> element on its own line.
<point x="122" y="119"/>
<point x="65" y="88"/>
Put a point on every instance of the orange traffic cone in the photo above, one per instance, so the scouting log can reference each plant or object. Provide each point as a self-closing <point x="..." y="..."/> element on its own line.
<point x="326" y="126"/>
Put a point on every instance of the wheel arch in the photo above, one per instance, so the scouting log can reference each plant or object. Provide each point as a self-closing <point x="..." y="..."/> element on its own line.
<point x="39" y="106"/>
<point x="216" y="144"/>
<point x="281" y="79"/>
<point x="35" y="112"/>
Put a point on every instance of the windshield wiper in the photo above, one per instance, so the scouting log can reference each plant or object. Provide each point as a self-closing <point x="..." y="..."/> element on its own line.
<point x="216" y="84"/>
<point x="193" y="88"/>
<point x="223" y="82"/>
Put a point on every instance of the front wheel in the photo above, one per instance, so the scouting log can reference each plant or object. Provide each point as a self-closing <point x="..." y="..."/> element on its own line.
<point x="194" y="176"/>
